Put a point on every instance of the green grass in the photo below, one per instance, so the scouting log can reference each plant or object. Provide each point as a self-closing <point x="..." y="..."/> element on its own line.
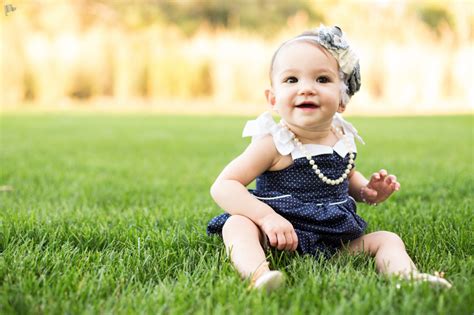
<point x="108" y="215"/>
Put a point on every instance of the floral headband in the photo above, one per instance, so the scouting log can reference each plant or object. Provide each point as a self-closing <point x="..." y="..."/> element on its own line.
<point x="332" y="38"/>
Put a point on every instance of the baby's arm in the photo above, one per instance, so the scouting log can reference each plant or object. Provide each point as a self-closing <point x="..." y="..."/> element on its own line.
<point x="380" y="186"/>
<point x="230" y="192"/>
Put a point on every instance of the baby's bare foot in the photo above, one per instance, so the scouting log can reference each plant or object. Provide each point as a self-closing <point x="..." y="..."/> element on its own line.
<point x="265" y="279"/>
<point x="269" y="281"/>
<point x="435" y="280"/>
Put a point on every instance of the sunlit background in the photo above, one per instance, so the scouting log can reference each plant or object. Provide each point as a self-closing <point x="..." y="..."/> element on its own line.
<point x="212" y="56"/>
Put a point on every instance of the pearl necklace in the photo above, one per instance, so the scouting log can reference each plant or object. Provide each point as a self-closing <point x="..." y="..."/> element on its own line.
<point x="313" y="164"/>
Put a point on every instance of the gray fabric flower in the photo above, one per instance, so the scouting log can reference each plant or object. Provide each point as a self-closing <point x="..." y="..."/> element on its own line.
<point x="353" y="81"/>
<point x="331" y="38"/>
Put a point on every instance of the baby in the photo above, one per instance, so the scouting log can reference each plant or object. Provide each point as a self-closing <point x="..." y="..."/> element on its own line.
<point x="304" y="166"/>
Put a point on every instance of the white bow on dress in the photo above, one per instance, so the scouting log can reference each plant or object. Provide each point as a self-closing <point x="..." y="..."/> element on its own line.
<point x="347" y="127"/>
<point x="264" y="125"/>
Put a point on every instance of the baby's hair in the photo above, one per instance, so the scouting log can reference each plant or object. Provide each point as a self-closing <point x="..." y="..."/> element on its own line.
<point x="306" y="33"/>
<point x="306" y="36"/>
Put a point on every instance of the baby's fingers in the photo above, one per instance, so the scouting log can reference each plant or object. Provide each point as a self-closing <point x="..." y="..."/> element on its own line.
<point x="289" y="241"/>
<point x="378" y="176"/>
<point x="273" y="239"/>
<point x="295" y="241"/>
<point x="391" y="179"/>
<point x="395" y="186"/>
<point x="281" y="241"/>
<point x="375" y="177"/>
<point x="392" y="182"/>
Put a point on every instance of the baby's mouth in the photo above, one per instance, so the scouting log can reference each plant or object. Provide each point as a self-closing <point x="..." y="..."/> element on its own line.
<point x="307" y="105"/>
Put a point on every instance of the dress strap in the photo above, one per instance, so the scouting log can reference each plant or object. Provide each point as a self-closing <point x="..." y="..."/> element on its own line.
<point x="264" y="125"/>
<point x="347" y="127"/>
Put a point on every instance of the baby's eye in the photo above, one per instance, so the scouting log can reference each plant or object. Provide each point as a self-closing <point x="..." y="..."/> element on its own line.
<point x="291" y="80"/>
<point x="323" y="79"/>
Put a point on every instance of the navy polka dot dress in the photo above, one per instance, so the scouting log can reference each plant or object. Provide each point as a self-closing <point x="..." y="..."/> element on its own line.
<point x="323" y="216"/>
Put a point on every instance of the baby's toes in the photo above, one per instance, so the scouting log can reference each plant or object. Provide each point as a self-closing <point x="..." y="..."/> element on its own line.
<point x="434" y="280"/>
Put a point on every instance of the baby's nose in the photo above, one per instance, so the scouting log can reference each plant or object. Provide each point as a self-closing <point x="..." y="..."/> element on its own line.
<point x="307" y="88"/>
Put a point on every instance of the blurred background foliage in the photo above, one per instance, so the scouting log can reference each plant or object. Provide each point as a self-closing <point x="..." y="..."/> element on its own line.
<point x="213" y="55"/>
<point x="266" y="17"/>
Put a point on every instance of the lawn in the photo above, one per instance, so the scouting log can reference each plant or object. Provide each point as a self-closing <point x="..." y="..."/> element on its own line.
<point x="107" y="214"/>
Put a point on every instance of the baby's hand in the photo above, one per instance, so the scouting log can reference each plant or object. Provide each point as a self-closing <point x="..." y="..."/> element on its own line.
<point x="280" y="232"/>
<point x="380" y="187"/>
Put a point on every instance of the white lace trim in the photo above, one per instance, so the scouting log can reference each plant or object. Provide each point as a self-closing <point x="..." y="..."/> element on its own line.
<point x="265" y="124"/>
<point x="319" y="149"/>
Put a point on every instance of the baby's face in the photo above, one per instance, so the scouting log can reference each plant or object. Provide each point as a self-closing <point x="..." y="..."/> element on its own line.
<point x="306" y="85"/>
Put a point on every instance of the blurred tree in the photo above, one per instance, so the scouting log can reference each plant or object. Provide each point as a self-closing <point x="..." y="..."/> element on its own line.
<point x="263" y="16"/>
<point x="434" y="16"/>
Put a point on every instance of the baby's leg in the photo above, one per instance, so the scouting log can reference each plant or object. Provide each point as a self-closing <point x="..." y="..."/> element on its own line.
<point x="242" y="240"/>
<point x="391" y="257"/>
<point x="388" y="250"/>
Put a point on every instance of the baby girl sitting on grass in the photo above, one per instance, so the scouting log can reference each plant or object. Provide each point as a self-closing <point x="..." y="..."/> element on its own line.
<point x="306" y="182"/>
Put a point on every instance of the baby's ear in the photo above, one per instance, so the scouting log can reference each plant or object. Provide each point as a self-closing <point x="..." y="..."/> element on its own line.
<point x="341" y="108"/>
<point x="270" y="97"/>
